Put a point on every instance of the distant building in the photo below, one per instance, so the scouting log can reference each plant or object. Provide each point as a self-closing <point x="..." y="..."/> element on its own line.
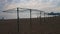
<point x="2" y="19"/>
<point x="52" y="13"/>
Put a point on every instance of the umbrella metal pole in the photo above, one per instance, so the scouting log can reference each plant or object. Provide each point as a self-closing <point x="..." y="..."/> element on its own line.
<point x="30" y="22"/>
<point x="18" y="20"/>
<point x="44" y="17"/>
<point x="40" y="17"/>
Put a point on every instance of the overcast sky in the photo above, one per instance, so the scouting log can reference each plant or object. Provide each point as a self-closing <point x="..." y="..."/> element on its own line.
<point x="46" y="5"/>
<point x="51" y="5"/>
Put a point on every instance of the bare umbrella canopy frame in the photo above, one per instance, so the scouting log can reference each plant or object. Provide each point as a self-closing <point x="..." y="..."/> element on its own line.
<point x="30" y="17"/>
<point x="18" y="17"/>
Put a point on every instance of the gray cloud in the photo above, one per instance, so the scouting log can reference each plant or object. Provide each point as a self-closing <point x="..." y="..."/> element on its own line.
<point x="46" y="5"/>
<point x="27" y="3"/>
